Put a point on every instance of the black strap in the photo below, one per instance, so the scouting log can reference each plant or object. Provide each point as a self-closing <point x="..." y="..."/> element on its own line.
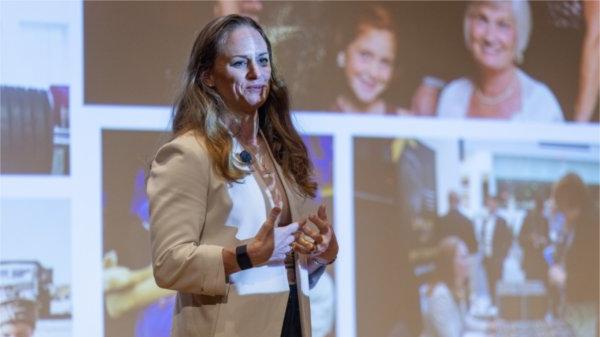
<point x="241" y="255"/>
<point x="292" y="323"/>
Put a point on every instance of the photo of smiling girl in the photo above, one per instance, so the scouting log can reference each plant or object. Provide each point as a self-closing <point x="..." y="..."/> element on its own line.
<point x="367" y="59"/>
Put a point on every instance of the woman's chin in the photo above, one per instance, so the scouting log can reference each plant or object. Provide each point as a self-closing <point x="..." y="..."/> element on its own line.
<point x="494" y="65"/>
<point x="253" y="105"/>
<point x="367" y="100"/>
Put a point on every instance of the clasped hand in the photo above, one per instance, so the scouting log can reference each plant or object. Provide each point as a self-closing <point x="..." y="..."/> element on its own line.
<point x="271" y="244"/>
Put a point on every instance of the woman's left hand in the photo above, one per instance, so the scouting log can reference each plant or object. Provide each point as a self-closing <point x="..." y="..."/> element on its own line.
<point x="319" y="243"/>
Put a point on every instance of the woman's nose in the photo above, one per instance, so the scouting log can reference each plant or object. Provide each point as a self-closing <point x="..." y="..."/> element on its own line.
<point x="253" y="70"/>
<point x="371" y="69"/>
<point x="489" y="33"/>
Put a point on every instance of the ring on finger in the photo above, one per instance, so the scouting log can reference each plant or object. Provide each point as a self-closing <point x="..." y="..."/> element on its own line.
<point x="306" y="244"/>
<point x="305" y="240"/>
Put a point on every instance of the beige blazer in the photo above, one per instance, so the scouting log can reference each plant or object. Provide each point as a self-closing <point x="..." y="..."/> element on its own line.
<point x="194" y="214"/>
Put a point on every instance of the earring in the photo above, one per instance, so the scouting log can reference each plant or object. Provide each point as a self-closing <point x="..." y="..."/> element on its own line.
<point x="341" y="59"/>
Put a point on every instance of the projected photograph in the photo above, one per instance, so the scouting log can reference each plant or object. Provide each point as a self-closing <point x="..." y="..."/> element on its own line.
<point x="35" y="130"/>
<point x="414" y="58"/>
<point x="493" y="238"/>
<point x="134" y="304"/>
<point x="35" y="268"/>
<point x="433" y="59"/>
<point x="35" y="85"/>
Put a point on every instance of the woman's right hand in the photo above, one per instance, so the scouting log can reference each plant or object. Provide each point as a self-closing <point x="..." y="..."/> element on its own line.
<point x="271" y="244"/>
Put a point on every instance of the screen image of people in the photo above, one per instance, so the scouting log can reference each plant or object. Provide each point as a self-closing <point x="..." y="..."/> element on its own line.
<point x="498" y="249"/>
<point x="502" y="64"/>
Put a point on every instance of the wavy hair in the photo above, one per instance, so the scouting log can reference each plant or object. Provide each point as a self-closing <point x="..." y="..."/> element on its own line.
<point x="199" y="107"/>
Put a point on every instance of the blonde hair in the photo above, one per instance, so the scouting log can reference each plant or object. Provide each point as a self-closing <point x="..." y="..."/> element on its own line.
<point x="521" y="13"/>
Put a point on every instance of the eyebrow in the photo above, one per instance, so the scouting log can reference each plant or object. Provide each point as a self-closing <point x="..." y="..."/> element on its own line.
<point x="246" y="55"/>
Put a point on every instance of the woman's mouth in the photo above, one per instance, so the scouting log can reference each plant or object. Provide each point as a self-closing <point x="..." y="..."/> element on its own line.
<point x="256" y="88"/>
<point x="367" y="85"/>
<point x="491" y="49"/>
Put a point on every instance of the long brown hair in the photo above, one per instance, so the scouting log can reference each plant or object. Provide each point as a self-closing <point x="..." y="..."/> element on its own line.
<point x="198" y="107"/>
<point x="444" y="263"/>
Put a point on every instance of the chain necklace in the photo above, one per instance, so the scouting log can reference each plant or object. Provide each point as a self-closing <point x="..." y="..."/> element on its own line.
<point x="497" y="99"/>
<point x="492" y="100"/>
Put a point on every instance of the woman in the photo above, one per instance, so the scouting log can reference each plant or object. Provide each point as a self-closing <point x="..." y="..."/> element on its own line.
<point x="573" y="255"/>
<point x="367" y="60"/>
<point x="234" y="156"/>
<point x="496" y="35"/>
<point x="446" y="311"/>
<point x="533" y="239"/>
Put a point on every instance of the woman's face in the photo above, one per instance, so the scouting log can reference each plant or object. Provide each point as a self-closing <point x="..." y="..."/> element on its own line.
<point x="369" y="63"/>
<point x="492" y="35"/>
<point x="242" y="71"/>
<point x="461" y="262"/>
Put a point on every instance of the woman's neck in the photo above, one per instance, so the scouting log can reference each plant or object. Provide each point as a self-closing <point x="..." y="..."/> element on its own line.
<point x="494" y="82"/>
<point x="244" y="127"/>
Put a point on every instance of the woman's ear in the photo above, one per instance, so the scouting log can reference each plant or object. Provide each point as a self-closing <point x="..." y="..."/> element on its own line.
<point x="341" y="59"/>
<point x="207" y="79"/>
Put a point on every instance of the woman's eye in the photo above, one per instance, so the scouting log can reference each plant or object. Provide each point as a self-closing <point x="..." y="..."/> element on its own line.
<point x="365" y="55"/>
<point x="481" y="18"/>
<point x="263" y="61"/>
<point x="504" y="24"/>
<point x="238" y="64"/>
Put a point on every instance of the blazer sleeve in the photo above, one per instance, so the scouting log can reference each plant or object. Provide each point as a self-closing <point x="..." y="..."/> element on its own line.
<point x="178" y="189"/>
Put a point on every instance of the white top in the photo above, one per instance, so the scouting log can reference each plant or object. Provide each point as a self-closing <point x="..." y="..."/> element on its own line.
<point x="538" y="102"/>
<point x="444" y="317"/>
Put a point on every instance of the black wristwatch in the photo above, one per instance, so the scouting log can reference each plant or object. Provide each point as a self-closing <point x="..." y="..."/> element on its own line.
<point x="241" y="255"/>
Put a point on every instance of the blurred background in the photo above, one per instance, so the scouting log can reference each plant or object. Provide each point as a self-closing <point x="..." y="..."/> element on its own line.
<point x="412" y="157"/>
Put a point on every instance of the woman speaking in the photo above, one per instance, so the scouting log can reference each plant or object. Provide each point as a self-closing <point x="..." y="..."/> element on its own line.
<point x="232" y="229"/>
